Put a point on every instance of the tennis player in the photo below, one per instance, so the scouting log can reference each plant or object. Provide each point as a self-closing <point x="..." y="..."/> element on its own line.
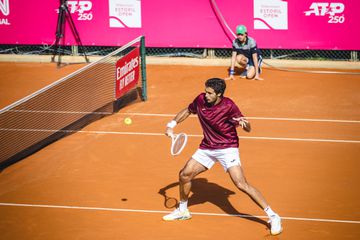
<point x="219" y="117"/>
<point x="246" y="55"/>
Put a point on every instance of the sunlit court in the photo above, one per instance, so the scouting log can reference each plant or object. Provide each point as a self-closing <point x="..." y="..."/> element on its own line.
<point x="83" y="146"/>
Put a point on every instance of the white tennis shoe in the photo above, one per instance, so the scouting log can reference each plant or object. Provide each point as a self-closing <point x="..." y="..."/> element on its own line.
<point x="275" y="223"/>
<point x="177" y="215"/>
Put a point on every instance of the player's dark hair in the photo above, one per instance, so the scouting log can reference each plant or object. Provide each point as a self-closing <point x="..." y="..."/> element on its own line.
<point x="217" y="84"/>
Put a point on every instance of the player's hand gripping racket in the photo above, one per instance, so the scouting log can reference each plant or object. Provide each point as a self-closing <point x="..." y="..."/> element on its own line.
<point x="178" y="142"/>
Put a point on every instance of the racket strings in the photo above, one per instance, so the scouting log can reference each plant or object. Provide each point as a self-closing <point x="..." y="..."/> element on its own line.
<point x="178" y="144"/>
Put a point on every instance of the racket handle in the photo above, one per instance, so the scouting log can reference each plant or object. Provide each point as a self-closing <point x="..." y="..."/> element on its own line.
<point x="172" y="135"/>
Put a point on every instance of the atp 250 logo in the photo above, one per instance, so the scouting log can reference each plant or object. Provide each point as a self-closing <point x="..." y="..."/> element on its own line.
<point x="333" y="10"/>
<point x="82" y="8"/>
<point x="5" y="11"/>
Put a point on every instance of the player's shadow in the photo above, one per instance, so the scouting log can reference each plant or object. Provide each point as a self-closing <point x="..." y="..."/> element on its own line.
<point x="204" y="191"/>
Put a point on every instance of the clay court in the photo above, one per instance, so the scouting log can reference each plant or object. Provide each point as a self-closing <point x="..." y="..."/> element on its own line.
<point x="110" y="180"/>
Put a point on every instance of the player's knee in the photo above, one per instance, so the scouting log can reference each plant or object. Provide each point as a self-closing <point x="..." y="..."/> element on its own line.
<point x="242" y="60"/>
<point x="242" y="186"/>
<point x="250" y="76"/>
<point x="185" y="176"/>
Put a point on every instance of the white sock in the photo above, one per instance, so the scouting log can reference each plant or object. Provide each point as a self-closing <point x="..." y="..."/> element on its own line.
<point x="269" y="211"/>
<point x="183" y="206"/>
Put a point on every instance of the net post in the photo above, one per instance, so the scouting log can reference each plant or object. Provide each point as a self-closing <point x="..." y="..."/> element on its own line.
<point x="143" y="68"/>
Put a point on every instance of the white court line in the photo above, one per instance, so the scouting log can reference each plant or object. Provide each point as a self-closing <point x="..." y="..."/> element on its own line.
<point x="173" y="115"/>
<point x="190" y="135"/>
<point x="255" y="118"/>
<point x="159" y="211"/>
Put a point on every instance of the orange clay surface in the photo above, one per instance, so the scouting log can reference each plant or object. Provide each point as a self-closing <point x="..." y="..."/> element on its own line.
<point x="105" y="184"/>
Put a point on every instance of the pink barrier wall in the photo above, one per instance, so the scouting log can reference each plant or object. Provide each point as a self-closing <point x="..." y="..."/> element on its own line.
<point x="305" y="24"/>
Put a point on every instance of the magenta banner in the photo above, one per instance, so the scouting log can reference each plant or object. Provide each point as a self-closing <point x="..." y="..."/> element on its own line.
<point x="276" y="24"/>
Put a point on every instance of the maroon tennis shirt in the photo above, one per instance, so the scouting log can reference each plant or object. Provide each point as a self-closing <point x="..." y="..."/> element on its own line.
<point x="216" y="121"/>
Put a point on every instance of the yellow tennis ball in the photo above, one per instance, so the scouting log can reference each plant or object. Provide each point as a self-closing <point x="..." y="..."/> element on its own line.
<point x="127" y="121"/>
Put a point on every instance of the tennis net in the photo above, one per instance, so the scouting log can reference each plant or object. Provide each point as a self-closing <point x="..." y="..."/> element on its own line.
<point x="65" y="106"/>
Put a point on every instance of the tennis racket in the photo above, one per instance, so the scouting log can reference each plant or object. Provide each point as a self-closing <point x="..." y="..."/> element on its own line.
<point x="178" y="142"/>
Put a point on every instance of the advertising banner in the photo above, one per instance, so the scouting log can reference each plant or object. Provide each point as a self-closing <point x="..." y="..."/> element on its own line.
<point x="127" y="72"/>
<point x="275" y="24"/>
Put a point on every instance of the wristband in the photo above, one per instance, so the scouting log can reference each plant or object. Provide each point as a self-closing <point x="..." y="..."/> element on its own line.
<point x="231" y="71"/>
<point x="171" y="124"/>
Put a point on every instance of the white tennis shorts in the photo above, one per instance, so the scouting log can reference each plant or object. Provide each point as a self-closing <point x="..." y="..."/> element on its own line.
<point x="227" y="157"/>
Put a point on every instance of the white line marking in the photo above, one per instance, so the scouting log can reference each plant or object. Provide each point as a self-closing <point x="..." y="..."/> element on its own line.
<point x="190" y="135"/>
<point x="255" y="118"/>
<point x="159" y="211"/>
<point x="305" y="120"/>
<point x="302" y="139"/>
<point x="194" y="116"/>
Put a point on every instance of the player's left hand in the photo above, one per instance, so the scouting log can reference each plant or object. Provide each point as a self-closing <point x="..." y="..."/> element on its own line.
<point x="243" y="123"/>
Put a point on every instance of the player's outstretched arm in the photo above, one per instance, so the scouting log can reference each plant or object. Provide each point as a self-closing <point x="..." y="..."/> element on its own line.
<point x="181" y="116"/>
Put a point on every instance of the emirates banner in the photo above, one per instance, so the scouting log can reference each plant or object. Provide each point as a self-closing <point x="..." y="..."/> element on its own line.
<point x="127" y="72"/>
